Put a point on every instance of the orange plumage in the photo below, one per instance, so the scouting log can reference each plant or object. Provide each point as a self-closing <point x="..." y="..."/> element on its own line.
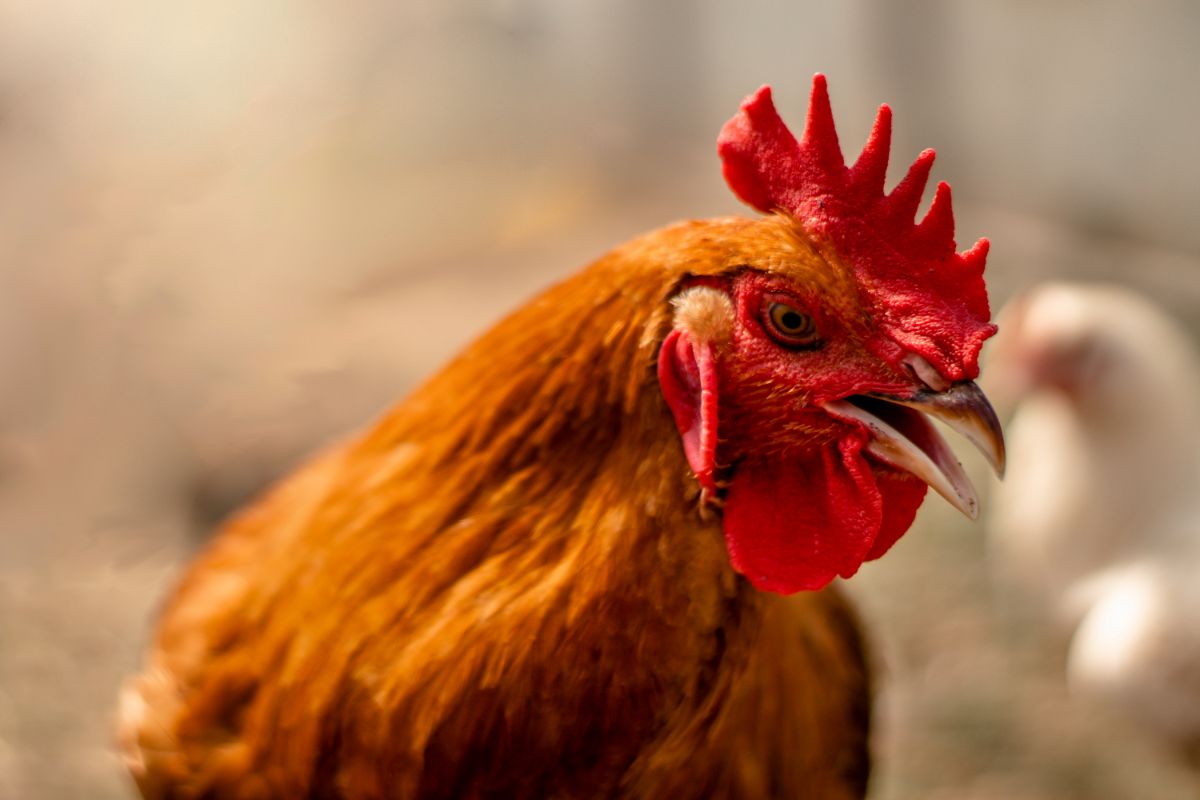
<point x="511" y="585"/>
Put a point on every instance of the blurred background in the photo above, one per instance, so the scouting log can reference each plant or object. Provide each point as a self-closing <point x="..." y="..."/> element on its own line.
<point x="231" y="231"/>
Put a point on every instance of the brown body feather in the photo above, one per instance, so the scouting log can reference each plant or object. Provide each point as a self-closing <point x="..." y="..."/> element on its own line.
<point x="507" y="587"/>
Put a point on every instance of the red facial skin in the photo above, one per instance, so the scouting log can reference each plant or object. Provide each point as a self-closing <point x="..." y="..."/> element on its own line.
<point x="804" y="503"/>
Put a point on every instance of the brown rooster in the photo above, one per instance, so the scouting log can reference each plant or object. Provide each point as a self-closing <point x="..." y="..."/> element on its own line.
<point x="557" y="570"/>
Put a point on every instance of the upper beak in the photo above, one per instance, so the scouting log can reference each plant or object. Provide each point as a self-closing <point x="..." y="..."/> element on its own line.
<point x="903" y="436"/>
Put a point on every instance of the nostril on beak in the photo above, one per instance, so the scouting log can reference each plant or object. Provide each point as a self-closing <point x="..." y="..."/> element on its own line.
<point x="925" y="372"/>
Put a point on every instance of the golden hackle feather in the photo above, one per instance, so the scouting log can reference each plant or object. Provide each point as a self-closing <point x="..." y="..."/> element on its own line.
<point x="505" y="586"/>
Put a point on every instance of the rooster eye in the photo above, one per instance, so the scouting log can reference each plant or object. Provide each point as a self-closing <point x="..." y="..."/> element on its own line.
<point x="789" y="327"/>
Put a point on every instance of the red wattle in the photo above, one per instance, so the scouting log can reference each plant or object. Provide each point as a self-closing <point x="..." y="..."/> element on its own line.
<point x="902" y="496"/>
<point x="796" y="524"/>
<point x="687" y="374"/>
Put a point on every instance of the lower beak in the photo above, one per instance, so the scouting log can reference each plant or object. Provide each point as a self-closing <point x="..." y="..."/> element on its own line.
<point x="903" y="436"/>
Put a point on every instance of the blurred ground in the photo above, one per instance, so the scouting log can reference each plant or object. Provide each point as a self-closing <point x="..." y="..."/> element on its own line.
<point x="230" y="232"/>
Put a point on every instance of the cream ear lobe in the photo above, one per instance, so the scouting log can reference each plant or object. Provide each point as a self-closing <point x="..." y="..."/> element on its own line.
<point x="705" y="313"/>
<point x="687" y="375"/>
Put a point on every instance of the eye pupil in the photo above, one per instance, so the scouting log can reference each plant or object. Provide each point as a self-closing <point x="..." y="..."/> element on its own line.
<point x="791" y="320"/>
<point x="790" y="327"/>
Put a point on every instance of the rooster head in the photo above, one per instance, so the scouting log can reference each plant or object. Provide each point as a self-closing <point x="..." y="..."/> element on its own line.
<point x="810" y="348"/>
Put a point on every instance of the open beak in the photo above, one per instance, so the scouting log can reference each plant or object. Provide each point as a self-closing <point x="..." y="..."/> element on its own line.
<point x="903" y="436"/>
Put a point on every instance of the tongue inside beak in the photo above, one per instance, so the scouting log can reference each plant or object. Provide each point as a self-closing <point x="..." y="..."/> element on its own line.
<point x="902" y="436"/>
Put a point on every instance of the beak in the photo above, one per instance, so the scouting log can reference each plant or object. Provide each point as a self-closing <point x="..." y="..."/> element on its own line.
<point x="903" y="436"/>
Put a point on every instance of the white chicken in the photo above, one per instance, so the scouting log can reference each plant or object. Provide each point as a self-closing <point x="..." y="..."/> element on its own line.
<point x="1100" y="514"/>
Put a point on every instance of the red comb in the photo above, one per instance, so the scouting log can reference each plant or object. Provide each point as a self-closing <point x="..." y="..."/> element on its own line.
<point x="930" y="299"/>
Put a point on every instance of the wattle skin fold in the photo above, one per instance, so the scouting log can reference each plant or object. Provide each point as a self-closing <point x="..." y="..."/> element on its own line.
<point x="796" y="524"/>
<point x="687" y="375"/>
<point x="902" y="497"/>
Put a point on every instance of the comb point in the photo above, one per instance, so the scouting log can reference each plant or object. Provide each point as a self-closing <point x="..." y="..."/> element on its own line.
<point x="870" y="170"/>
<point x="938" y="223"/>
<point x="820" y="134"/>
<point x="977" y="254"/>
<point x="906" y="197"/>
<point x="756" y="150"/>
<point x="760" y="104"/>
